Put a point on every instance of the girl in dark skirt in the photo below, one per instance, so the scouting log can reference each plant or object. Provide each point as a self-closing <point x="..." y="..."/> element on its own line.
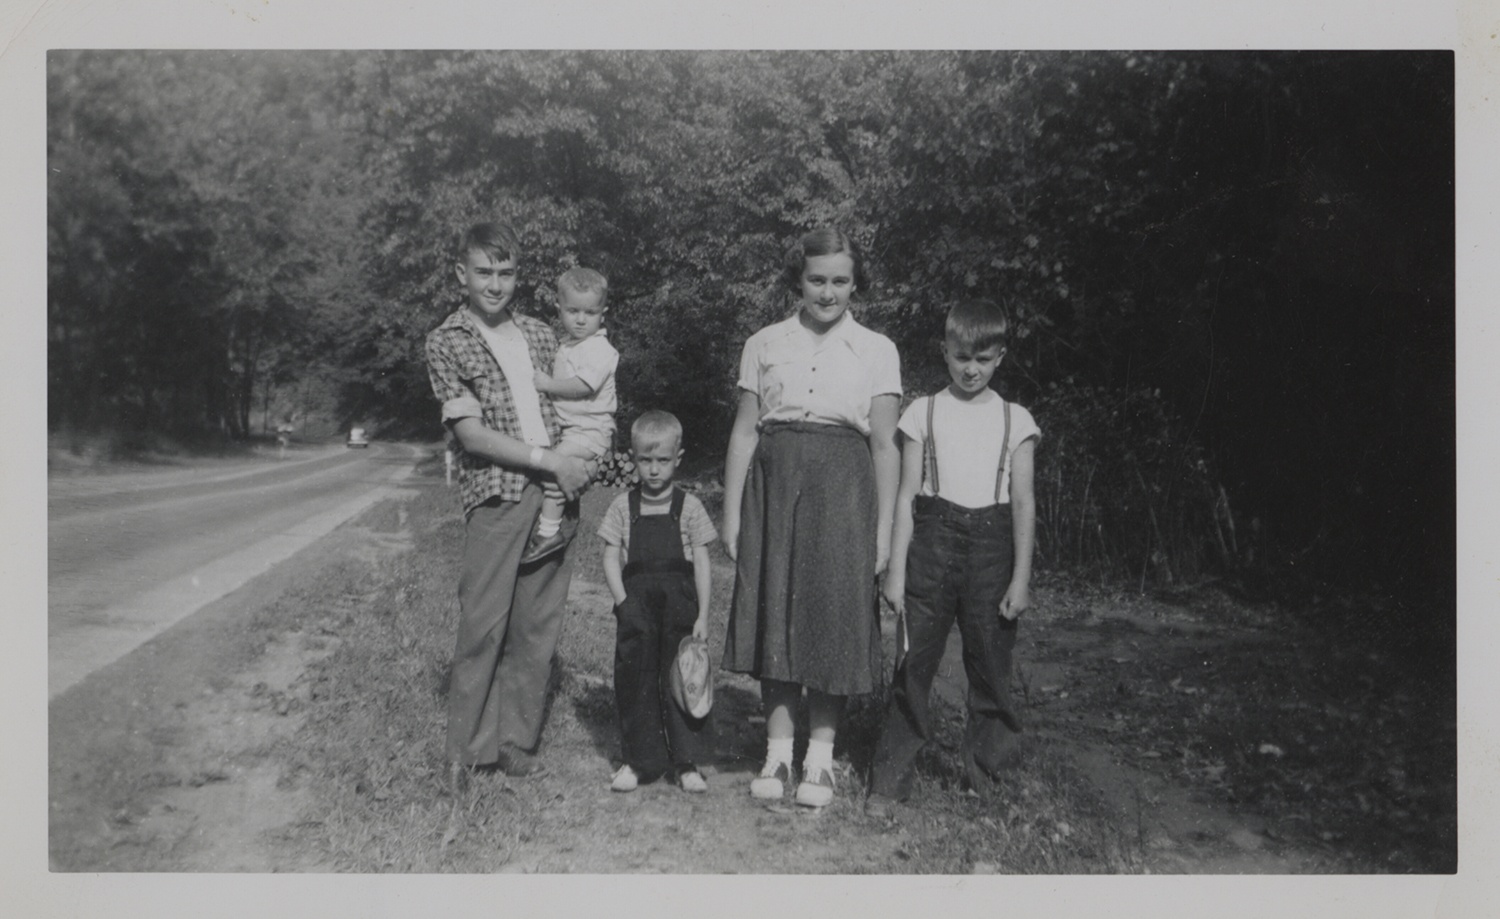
<point x="809" y="491"/>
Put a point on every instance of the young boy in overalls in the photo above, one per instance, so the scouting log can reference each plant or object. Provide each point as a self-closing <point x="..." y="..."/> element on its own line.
<point x="961" y="548"/>
<point x="656" y="540"/>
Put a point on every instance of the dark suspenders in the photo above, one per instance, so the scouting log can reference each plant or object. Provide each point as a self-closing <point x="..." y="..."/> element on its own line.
<point x="674" y="564"/>
<point x="929" y="451"/>
<point x="634" y="504"/>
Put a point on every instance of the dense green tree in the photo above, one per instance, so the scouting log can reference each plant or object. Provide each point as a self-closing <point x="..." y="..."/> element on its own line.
<point x="1245" y="253"/>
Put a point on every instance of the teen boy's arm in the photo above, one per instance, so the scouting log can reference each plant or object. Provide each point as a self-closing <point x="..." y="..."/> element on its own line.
<point x="571" y="474"/>
<point x="1023" y="528"/>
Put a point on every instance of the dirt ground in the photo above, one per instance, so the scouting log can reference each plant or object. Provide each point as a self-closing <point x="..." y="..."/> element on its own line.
<point x="174" y="758"/>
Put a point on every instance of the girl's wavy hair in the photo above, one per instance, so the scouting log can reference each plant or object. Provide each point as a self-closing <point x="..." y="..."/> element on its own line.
<point x="822" y="241"/>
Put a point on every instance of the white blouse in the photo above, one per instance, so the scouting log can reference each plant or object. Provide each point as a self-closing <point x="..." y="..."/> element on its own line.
<point x="832" y="381"/>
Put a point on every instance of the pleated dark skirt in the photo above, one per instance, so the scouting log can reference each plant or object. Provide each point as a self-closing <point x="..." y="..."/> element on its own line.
<point x="804" y="608"/>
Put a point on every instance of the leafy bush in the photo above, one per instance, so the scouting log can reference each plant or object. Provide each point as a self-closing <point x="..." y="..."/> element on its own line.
<point x="616" y="469"/>
<point x="1123" y="489"/>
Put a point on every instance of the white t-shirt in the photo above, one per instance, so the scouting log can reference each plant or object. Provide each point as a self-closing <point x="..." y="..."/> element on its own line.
<point x="592" y="360"/>
<point x="514" y="357"/>
<point x="969" y="435"/>
<point x="830" y="381"/>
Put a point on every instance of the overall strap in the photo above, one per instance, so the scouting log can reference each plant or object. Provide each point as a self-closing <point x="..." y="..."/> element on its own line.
<point x="1004" y="455"/>
<point x="929" y="448"/>
<point x="634" y="499"/>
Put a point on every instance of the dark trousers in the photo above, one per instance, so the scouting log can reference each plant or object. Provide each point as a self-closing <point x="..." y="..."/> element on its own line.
<point x="958" y="567"/>
<point x="658" y="613"/>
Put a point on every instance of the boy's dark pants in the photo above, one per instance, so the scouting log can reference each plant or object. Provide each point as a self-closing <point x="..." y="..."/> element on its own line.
<point x="658" y="613"/>
<point x="958" y="566"/>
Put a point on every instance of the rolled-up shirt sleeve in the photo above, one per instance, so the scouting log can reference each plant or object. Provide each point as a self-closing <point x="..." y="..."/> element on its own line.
<point x="465" y="406"/>
<point x="458" y="401"/>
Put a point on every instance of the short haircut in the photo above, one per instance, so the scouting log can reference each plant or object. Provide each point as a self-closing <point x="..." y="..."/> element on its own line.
<point x="585" y="281"/>
<point x="498" y="239"/>
<point x="654" y="428"/>
<point x="977" y="324"/>
<point x="822" y="241"/>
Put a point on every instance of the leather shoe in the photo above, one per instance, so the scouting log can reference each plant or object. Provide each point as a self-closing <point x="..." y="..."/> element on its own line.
<point x="517" y="763"/>
<point x="880" y="807"/>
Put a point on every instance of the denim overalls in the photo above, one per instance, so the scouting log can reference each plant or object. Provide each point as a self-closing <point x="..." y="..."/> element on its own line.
<point x="661" y="605"/>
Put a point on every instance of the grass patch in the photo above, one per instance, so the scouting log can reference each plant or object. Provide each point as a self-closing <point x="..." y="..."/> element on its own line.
<point x="371" y="751"/>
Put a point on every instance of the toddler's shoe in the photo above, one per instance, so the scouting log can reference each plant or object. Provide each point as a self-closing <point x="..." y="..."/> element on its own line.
<point x="691" y="780"/>
<point x="624" y="779"/>
<point x="771" y="784"/>
<point x="816" y="788"/>
<point x="539" y="547"/>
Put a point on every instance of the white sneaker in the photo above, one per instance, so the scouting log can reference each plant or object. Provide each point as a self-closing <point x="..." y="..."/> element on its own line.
<point x="624" y="779"/>
<point x="816" y="788"/>
<point x="693" y="781"/>
<point x="772" y="782"/>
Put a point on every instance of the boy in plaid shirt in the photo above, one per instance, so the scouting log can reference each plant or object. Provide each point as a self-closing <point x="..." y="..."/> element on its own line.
<point x="482" y="361"/>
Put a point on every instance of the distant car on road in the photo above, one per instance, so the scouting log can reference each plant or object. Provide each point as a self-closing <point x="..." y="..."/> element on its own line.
<point x="357" y="438"/>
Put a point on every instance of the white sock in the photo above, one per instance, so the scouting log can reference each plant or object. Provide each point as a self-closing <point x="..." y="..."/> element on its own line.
<point x="546" y="526"/>
<point x="819" y="756"/>
<point x="779" y="750"/>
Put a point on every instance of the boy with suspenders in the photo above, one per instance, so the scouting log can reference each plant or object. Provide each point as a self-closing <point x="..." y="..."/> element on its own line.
<point x="961" y="549"/>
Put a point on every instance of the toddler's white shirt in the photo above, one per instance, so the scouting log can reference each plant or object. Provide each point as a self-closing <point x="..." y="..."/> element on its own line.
<point x="592" y="360"/>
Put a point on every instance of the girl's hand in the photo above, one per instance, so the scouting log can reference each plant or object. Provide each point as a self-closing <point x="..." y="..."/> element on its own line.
<point x="731" y="538"/>
<point x="882" y="553"/>
<point x="700" y="628"/>
<point x="619" y="600"/>
<point x="1016" y="601"/>
<point x="893" y="588"/>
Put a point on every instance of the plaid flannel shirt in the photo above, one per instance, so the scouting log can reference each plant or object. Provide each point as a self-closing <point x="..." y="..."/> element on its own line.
<point x="460" y="364"/>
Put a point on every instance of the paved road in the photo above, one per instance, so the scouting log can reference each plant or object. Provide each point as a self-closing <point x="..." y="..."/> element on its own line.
<point x="127" y="557"/>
